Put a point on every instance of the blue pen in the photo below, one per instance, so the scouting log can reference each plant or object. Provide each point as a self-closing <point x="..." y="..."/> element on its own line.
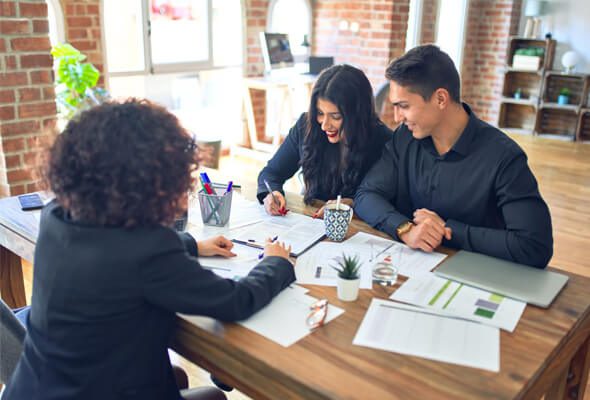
<point x="229" y="186"/>
<point x="261" y="255"/>
<point x="205" y="177"/>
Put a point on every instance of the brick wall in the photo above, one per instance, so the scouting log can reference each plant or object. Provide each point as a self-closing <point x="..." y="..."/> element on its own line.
<point x="83" y="30"/>
<point x="381" y="35"/>
<point x="429" y="13"/>
<point x="489" y="26"/>
<point x="27" y="99"/>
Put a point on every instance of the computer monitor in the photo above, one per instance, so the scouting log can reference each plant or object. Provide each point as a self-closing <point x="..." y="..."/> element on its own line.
<point x="276" y="51"/>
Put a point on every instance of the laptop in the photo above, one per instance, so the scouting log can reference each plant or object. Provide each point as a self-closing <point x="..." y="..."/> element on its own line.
<point x="521" y="282"/>
<point x="318" y="64"/>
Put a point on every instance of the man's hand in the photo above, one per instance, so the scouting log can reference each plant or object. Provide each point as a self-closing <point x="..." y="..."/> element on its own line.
<point x="422" y="215"/>
<point x="216" y="246"/>
<point x="278" y="249"/>
<point x="271" y="207"/>
<point x="428" y="232"/>
<point x="320" y="212"/>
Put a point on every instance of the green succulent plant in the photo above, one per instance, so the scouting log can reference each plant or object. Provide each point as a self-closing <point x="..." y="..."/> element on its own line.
<point x="348" y="267"/>
<point x="565" y="91"/>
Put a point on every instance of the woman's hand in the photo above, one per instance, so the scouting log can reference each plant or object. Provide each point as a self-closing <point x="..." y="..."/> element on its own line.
<point x="216" y="246"/>
<point x="277" y="249"/>
<point x="320" y="212"/>
<point x="273" y="208"/>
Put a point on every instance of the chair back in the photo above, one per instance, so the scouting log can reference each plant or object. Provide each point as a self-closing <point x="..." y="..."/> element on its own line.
<point x="12" y="336"/>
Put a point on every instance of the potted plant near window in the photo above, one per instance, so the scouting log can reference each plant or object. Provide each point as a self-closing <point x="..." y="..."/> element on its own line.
<point x="564" y="96"/>
<point x="75" y="81"/>
<point x="348" y="277"/>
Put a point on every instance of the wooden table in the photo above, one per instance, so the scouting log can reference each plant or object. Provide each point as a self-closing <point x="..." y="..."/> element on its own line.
<point x="546" y="354"/>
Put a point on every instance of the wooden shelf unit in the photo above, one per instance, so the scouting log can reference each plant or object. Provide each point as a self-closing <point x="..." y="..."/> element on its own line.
<point x="520" y="115"/>
<point x="583" y="131"/>
<point x="556" y="80"/>
<point x="557" y="121"/>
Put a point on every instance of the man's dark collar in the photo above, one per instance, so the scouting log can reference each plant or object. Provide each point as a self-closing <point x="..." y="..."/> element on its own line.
<point x="462" y="145"/>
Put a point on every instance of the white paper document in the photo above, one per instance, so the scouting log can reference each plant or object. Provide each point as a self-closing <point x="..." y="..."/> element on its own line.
<point x="314" y="267"/>
<point x="431" y="291"/>
<point x="412" y="262"/>
<point x="284" y="320"/>
<point x="233" y="267"/>
<point x="297" y="230"/>
<point x="423" y="333"/>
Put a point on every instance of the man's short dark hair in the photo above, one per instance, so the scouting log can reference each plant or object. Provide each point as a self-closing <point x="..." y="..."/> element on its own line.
<point x="423" y="70"/>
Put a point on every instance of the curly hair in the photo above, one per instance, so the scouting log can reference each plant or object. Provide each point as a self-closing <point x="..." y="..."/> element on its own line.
<point x="123" y="165"/>
<point x="324" y="167"/>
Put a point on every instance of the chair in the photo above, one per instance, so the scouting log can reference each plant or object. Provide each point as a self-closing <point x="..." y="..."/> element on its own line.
<point x="12" y="336"/>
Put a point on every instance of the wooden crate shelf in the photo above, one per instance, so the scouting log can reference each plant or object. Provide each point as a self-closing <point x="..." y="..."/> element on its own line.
<point x="555" y="81"/>
<point x="583" y="133"/>
<point x="522" y="43"/>
<point x="529" y="83"/>
<point x="514" y="116"/>
<point x="556" y="121"/>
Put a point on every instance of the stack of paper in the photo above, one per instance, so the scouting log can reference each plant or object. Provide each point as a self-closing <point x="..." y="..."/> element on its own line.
<point x="425" y="333"/>
<point x="433" y="292"/>
<point x="233" y="267"/>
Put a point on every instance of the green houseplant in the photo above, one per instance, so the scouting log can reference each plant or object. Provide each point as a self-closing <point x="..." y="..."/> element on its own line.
<point x="75" y="81"/>
<point x="348" y="270"/>
<point x="564" y="96"/>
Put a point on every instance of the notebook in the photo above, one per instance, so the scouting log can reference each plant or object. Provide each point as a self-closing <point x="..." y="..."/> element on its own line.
<point x="521" y="282"/>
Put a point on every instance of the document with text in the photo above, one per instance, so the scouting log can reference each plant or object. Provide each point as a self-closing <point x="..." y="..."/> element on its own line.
<point x="431" y="291"/>
<point x="424" y="333"/>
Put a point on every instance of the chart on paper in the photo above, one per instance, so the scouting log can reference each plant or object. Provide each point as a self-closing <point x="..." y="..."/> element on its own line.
<point x="479" y="305"/>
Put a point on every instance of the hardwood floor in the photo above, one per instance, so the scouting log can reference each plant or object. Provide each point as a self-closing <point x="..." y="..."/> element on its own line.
<point x="563" y="172"/>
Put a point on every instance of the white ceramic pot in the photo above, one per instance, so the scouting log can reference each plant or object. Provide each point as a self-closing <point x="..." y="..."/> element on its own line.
<point x="348" y="289"/>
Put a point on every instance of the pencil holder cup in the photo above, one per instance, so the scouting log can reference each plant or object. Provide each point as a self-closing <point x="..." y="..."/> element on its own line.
<point x="215" y="208"/>
<point x="337" y="221"/>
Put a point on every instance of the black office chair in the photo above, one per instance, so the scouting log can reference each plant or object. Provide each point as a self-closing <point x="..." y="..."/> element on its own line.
<point x="12" y="335"/>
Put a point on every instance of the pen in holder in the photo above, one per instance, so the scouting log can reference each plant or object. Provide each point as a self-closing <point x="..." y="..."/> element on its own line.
<point x="215" y="208"/>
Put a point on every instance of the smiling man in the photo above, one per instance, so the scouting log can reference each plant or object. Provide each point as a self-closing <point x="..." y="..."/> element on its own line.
<point x="446" y="177"/>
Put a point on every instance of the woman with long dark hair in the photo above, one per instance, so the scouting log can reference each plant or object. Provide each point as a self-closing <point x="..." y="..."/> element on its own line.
<point x="334" y="143"/>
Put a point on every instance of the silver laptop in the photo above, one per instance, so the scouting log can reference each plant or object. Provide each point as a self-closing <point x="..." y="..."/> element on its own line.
<point x="533" y="285"/>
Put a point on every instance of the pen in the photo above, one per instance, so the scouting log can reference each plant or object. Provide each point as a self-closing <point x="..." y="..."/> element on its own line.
<point x="223" y="185"/>
<point x="282" y="210"/>
<point x="261" y="255"/>
<point x="205" y="177"/>
<point x="229" y="186"/>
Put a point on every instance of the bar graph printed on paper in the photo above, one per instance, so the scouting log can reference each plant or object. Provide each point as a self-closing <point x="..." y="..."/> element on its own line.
<point x="465" y="301"/>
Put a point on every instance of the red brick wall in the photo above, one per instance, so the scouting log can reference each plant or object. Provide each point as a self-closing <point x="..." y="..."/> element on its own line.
<point x="83" y="30"/>
<point x="488" y="28"/>
<point x="429" y="13"/>
<point x="27" y="99"/>
<point x="256" y="12"/>
<point x="381" y="35"/>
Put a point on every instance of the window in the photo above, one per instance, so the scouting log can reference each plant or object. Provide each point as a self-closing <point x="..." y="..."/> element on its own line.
<point x="450" y="36"/>
<point x="183" y="54"/>
<point x="414" y="24"/>
<point x="55" y="17"/>
<point x="294" y="18"/>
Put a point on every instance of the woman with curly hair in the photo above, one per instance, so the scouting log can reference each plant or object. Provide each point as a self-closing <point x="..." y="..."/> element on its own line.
<point x="334" y="143"/>
<point x="110" y="273"/>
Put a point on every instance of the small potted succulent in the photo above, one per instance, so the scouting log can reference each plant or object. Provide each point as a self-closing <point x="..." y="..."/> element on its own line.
<point x="518" y="94"/>
<point x="348" y="277"/>
<point x="564" y="96"/>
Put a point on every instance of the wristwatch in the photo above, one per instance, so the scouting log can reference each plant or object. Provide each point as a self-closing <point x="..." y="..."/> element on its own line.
<point x="404" y="227"/>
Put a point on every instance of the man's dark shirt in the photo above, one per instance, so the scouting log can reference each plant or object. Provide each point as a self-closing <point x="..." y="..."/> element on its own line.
<point x="482" y="187"/>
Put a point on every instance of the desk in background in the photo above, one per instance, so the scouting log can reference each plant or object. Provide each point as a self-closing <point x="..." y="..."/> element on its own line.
<point x="285" y="85"/>
<point x="546" y="355"/>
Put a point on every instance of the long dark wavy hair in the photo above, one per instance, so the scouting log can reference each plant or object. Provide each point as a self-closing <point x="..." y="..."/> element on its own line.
<point x="122" y="165"/>
<point x="338" y="168"/>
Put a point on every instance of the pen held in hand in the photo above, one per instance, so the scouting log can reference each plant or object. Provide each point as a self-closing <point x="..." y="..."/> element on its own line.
<point x="261" y="255"/>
